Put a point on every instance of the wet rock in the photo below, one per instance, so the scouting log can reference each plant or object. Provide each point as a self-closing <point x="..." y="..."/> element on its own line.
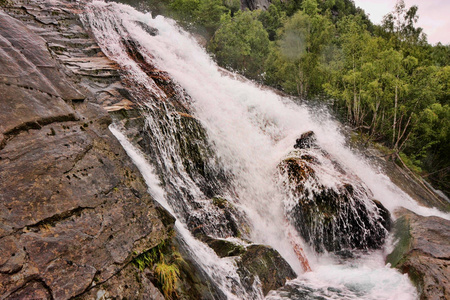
<point x="74" y="210"/>
<point x="217" y="218"/>
<point x="423" y="253"/>
<point x="194" y="283"/>
<point x="306" y="140"/>
<point x="26" y="62"/>
<point x="209" y="219"/>
<point x="150" y="30"/>
<point x="223" y="248"/>
<point x="266" y="264"/>
<point x="329" y="206"/>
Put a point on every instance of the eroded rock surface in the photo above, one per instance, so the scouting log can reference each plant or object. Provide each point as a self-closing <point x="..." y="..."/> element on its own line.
<point x="422" y="251"/>
<point x="74" y="210"/>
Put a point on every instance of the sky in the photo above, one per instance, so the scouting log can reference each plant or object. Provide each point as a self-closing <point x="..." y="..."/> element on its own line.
<point x="434" y="15"/>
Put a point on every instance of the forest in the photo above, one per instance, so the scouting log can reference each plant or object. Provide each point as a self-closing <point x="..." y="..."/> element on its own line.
<point x="385" y="81"/>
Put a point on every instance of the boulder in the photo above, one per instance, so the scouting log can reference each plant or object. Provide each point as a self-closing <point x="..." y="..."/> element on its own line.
<point x="266" y="264"/>
<point x="422" y="251"/>
<point x="329" y="206"/>
<point x="223" y="248"/>
<point x="306" y="140"/>
<point x="257" y="264"/>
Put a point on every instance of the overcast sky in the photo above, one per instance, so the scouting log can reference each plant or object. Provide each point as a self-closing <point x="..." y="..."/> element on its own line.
<point x="434" y="15"/>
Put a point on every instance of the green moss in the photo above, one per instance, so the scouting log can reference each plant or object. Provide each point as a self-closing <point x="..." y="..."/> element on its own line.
<point x="403" y="236"/>
<point x="220" y="202"/>
<point x="224" y="248"/>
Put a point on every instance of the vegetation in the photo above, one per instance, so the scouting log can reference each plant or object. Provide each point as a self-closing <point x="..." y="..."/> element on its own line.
<point x="164" y="262"/>
<point x="386" y="81"/>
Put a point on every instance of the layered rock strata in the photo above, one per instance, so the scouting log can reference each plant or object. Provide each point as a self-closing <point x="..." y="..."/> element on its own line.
<point x="74" y="210"/>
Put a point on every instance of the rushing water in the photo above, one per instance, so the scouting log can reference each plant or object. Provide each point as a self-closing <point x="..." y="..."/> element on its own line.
<point x="250" y="130"/>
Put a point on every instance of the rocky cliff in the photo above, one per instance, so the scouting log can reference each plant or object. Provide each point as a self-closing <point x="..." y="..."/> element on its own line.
<point x="74" y="210"/>
<point x="254" y="4"/>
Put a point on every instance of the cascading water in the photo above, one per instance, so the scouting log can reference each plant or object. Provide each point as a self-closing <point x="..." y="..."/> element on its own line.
<point x="218" y="137"/>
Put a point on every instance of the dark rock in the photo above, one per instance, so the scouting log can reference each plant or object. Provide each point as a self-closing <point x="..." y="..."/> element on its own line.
<point x="306" y="140"/>
<point x="266" y="263"/>
<point x="223" y="248"/>
<point x="422" y="251"/>
<point x="334" y="218"/>
<point x="150" y="30"/>
<point x="254" y="4"/>
<point x="27" y="63"/>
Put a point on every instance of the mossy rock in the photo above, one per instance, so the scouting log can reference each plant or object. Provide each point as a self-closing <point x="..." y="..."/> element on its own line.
<point x="223" y="248"/>
<point x="221" y="202"/>
<point x="266" y="263"/>
<point x="403" y="236"/>
<point x="422" y="252"/>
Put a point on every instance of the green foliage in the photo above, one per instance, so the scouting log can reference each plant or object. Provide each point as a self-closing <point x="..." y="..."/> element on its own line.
<point x="202" y="16"/>
<point x="241" y="44"/>
<point x="293" y="62"/>
<point x="410" y="163"/>
<point x="149" y="258"/>
<point x="167" y="276"/>
<point x="272" y="20"/>
<point x="232" y="5"/>
<point x="165" y="262"/>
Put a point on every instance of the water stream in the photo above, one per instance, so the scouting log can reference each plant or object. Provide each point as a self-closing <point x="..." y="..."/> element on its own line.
<point x="248" y="130"/>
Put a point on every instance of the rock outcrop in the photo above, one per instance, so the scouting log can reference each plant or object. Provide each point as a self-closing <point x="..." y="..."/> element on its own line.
<point x="74" y="210"/>
<point x="422" y="251"/>
<point x="328" y="205"/>
<point x="266" y="264"/>
<point x="255" y="263"/>
<point x="254" y="4"/>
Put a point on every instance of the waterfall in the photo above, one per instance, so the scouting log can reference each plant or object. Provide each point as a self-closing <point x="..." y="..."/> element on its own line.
<point x="213" y="138"/>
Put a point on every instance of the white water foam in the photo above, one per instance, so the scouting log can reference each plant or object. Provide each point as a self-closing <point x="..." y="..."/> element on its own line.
<point x="367" y="278"/>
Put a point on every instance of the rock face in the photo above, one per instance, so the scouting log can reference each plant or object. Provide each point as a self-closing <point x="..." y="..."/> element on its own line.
<point x="330" y="207"/>
<point x="74" y="210"/>
<point x="254" y="4"/>
<point x="422" y="251"/>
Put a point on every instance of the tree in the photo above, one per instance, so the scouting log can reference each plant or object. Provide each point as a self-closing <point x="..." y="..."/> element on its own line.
<point x="272" y="20"/>
<point x="301" y="40"/>
<point x="241" y="44"/>
<point x="430" y="143"/>
<point x="400" y="25"/>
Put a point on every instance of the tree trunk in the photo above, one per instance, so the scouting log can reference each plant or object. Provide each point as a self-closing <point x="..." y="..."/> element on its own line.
<point x="395" y="111"/>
